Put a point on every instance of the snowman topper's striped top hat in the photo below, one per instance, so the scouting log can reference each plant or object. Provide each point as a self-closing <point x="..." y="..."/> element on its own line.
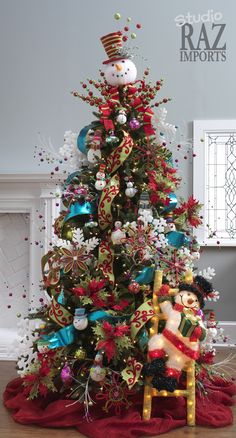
<point x="112" y="44"/>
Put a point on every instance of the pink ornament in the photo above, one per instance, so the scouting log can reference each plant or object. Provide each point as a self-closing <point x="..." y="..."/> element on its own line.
<point x="66" y="374"/>
<point x="134" y="287"/>
<point x="134" y="124"/>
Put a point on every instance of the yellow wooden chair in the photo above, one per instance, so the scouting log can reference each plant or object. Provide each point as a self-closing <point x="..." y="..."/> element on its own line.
<point x="149" y="391"/>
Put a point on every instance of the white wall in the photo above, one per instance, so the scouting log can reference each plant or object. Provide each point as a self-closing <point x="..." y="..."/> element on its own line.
<point x="48" y="46"/>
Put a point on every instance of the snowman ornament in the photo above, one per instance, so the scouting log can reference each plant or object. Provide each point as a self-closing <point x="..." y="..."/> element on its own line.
<point x="130" y="191"/>
<point x="100" y="178"/>
<point x="80" y="321"/>
<point x="97" y="370"/>
<point x="118" y="235"/>
<point x="180" y="339"/>
<point x="119" y="70"/>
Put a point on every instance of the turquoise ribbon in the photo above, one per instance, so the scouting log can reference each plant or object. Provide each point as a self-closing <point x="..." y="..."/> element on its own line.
<point x="63" y="337"/>
<point x="143" y="339"/>
<point x="146" y="275"/>
<point x="172" y="204"/>
<point x="177" y="239"/>
<point x="71" y="177"/>
<point x="97" y="315"/>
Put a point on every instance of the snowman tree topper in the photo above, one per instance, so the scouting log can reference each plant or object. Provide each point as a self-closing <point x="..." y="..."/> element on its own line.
<point x="119" y="69"/>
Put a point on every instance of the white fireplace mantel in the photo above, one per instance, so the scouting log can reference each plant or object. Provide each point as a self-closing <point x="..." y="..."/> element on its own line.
<point x="34" y="194"/>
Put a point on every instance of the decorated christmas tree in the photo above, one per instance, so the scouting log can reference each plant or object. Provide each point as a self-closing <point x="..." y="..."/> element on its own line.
<point x="121" y="226"/>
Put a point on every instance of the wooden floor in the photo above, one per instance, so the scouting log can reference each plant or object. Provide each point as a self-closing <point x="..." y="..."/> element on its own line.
<point x="10" y="429"/>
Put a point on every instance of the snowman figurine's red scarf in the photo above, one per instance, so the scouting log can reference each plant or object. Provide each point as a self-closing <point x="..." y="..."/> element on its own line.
<point x="136" y="102"/>
<point x="177" y="342"/>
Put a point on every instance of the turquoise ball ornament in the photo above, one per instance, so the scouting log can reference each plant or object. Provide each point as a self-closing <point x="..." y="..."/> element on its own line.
<point x="61" y="298"/>
<point x="172" y="204"/>
<point x="146" y="275"/>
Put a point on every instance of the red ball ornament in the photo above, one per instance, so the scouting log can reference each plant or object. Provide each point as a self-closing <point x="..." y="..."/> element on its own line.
<point x="138" y="25"/>
<point x="124" y="38"/>
<point x="134" y="287"/>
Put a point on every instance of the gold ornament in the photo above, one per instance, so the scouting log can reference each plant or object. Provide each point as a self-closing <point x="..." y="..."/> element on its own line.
<point x="68" y="234"/>
<point x="80" y="354"/>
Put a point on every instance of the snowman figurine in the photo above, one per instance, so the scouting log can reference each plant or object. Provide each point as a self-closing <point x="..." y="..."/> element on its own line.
<point x="80" y="321"/>
<point x="183" y="331"/>
<point x="118" y="236"/>
<point x="119" y="70"/>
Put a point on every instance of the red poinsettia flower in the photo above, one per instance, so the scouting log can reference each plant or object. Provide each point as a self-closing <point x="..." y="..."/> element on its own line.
<point x="121" y="306"/>
<point x="111" y="332"/>
<point x="191" y="210"/>
<point x="92" y="290"/>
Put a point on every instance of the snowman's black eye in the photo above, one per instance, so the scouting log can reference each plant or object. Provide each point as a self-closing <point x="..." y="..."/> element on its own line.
<point x="188" y="294"/>
<point x="123" y="62"/>
<point x="196" y="300"/>
<point x="112" y="65"/>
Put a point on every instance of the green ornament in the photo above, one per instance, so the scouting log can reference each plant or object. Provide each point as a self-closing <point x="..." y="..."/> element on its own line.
<point x="129" y="19"/>
<point x="80" y="354"/>
<point x="133" y="35"/>
<point x="117" y="16"/>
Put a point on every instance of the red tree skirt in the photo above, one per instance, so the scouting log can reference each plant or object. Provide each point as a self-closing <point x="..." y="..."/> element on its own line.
<point x="168" y="413"/>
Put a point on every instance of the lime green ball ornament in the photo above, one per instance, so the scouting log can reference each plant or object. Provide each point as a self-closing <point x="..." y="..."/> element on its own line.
<point x="133" y="35"/>
<point x="117" y="16"/>
<point x="129" y="19"/>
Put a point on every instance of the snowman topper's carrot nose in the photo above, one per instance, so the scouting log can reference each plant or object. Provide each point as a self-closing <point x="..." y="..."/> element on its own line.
<point x="190" y="301"/>
<point x="118" y="67"/>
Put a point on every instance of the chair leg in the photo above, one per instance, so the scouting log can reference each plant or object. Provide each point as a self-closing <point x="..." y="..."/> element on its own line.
<point x="191" y="398"/>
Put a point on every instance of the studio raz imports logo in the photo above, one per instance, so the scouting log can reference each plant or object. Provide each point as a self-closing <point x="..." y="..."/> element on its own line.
<point x="202" y="37"/>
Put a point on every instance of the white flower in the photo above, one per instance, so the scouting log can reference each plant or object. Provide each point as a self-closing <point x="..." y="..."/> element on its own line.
<point x="78" y="236"/>
<point x="61" y="243"/>
<point x="208" y="273"/>
<point x="89" y="244"/>
<point x="159" y="224"/>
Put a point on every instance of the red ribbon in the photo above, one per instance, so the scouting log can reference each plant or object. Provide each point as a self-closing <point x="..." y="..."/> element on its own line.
<point x="136" y="103"/>
<point x="105" y="110"/>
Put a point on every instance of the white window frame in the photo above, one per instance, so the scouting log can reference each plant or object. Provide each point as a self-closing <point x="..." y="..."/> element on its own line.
<point x="201" y="129"/>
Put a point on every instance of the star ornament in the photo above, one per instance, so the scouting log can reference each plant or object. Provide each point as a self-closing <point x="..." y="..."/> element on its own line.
<point x="115" y="392"/>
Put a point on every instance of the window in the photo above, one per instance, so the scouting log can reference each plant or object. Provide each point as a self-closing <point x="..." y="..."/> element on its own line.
<point x="214" y="180"/>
